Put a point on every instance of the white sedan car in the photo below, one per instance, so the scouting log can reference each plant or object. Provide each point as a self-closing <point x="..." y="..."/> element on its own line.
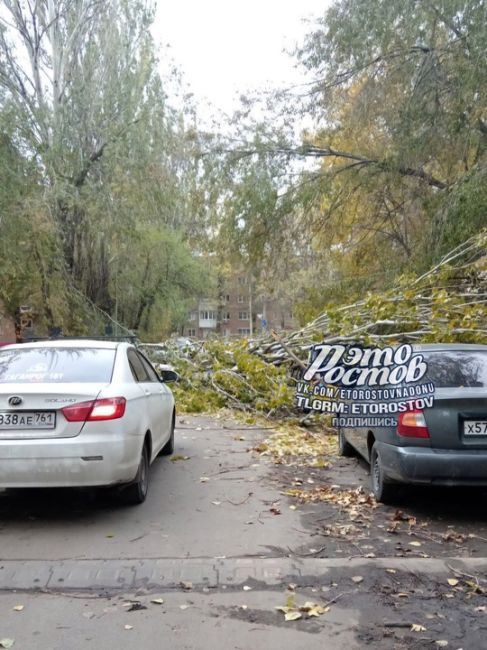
<point x="82" y="413"/>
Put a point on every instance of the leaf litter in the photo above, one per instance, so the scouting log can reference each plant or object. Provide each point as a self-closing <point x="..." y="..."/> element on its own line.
<point x="293" y="612"/>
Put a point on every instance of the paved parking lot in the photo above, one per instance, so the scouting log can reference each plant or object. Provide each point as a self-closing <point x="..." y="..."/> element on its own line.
<point x="221" y="542"/>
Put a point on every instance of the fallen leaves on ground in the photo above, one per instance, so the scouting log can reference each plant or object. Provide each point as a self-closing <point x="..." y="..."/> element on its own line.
<point x="292" y="615"/>
<point x="177" y="457"/>
<point x="134" y="607"/>
<point x="353" y="501"/>
<point x="6" y="643"/>
<point x="399" y="517"/>
<point x="294" y="445"/>
<point x="340" y="530"/>
<point x="454" y="536"/>
<point x="416" y="627"/>
<point x="292" y="612"/>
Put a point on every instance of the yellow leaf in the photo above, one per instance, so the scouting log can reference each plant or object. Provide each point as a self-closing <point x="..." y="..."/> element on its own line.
<point x="292" y="616"/>
<point x="307" y="606"/>
<point x="415" y="627"/>
<point x="452" y="582"/>
<point x="318" y="610"/>
<point x="313" y="609"/>
<point x="285" y="610"/>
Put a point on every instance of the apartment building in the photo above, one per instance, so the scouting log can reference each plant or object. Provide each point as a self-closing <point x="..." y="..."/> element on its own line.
<point x="239" y="311"/>
<point x="203" y="319"/>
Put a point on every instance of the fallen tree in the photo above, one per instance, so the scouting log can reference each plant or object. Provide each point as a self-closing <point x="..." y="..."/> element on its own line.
<point x="446" y="304"/>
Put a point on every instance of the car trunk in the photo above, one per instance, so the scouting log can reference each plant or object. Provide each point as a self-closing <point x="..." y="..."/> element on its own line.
<point x="448" y="420"/>
<point x="39" y="413"/>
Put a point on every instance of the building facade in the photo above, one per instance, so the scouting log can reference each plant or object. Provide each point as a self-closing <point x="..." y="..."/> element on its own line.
<point x="239" y="311"/>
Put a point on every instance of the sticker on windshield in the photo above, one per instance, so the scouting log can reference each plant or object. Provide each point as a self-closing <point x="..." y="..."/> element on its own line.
<point x="365" y="386"/>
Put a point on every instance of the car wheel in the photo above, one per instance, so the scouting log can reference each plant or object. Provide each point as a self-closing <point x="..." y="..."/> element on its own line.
<point x="345" y="449"/>
<point x="168" y="448"/>
<point x="136" y="492"/>
<point x="383" y="491"/>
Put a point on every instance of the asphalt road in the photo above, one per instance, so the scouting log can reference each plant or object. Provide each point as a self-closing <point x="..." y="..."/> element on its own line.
<point x="222" y="545"/>
<point x="217" y="502"/>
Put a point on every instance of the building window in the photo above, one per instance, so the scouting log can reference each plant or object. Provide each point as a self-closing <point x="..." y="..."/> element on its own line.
<point x="191" y="332"/>
<point x="207" y="315"/>
<point x="225" y="316"/>
<point x="193" y="315"/>
<point x="243" y="280"/>
<point x="240" y="299"/>
<point x="243" y="330"/>
<point x="243" y="315"/>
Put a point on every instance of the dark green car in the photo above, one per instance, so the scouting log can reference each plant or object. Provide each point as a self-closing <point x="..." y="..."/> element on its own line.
<point x="442" y="445"/>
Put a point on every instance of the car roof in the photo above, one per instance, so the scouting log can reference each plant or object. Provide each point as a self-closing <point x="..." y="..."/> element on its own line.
<point x="438" y="347"/>
<point x="68" y="343"/>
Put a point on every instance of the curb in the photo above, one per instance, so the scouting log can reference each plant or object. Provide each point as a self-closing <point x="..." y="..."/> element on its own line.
<point x="151" y="574"/>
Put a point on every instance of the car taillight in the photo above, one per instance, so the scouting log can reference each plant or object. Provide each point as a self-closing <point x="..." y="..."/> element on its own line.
<point x="110" y="408"/>
<point x="412" y="424"/>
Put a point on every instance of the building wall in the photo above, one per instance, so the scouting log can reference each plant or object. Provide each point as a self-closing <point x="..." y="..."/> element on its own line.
<point x="237" y="307"/>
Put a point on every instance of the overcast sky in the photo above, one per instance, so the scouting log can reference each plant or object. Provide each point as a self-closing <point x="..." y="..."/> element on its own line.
<point x="227" y="47"/>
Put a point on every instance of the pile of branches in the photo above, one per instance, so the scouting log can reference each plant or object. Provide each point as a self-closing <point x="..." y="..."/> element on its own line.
<point x="446" y="304"/>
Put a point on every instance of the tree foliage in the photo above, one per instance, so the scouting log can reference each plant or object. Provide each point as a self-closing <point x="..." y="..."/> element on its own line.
<point x="102" y="163"/>
<point x="389" y="173"/>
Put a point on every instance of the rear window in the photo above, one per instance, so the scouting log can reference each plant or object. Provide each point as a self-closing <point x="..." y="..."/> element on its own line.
<point x="455" y="368"/>
<point x="56" y="365"/>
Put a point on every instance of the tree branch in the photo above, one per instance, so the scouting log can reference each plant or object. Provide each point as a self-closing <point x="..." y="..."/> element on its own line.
<point x="79" y="180"/>
<point x="328" y="152"/>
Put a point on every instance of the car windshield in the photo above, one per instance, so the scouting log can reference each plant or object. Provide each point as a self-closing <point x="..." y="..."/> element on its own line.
<point x="457" y="368"/>
<point x="56" y="365"/>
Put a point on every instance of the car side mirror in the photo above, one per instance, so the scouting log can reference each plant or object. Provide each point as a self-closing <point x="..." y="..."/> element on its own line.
<point x="168" y="376"/>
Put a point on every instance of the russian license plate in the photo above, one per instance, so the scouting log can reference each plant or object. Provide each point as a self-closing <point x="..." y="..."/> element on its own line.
<point x="475" y="427"/>
<point x="10" y="421"/>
